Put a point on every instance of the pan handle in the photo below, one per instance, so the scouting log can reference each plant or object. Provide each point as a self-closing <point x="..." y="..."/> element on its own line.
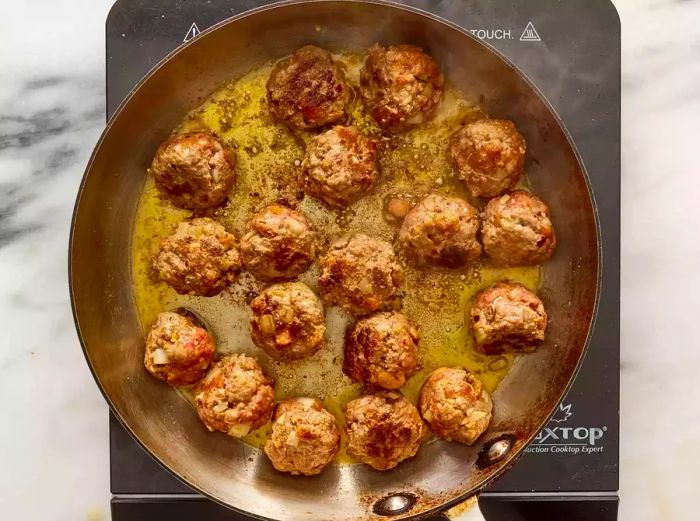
<point x="468" y="510"/>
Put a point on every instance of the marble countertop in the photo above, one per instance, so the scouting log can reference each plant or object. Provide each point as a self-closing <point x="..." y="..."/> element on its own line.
<point x="54" y="440"/>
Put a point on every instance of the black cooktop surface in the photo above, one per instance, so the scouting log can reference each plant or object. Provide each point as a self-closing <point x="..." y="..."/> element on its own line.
<point x="571" y="51"/>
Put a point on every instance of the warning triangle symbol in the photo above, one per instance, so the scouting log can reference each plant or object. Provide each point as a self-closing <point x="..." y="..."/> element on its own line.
<point x="194" y="31"/>
<point x="530" y="34"/>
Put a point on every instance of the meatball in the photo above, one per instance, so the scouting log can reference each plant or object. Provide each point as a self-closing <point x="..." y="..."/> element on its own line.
<point x="340" y="166"/>
<point x="308" y="89"/>
<point x="507" y="317"/>
<point x="178" y="351"/>
<point x="194" y="170"/>
<point x="455" y="405"/>
<point x="401" y="86"/>
<point x="235" y="396"/>
<point x="440" y="232"/>
<point x="381" y="350"/>
<point x="280" y="244"/>
<point x="383" y="429"/>
<point x="360" y="274"/>
<point x="288" y="321"/>
<point x="516" y="230"/>
<point x="304" y="437"/>
<point x="489" y="156"/>
<point x="199" y="258"/>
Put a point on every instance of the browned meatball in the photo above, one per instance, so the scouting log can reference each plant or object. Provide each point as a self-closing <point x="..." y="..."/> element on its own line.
<point x="199" y="258"/>
<point x="383" y="429"/>
<point x="455" y="405"/>
<point x="360" y="274"/>
<point x="194" y="170"/>
<point x="178" y="351"/>
<point x="516" y="230"/>
<point x="401" y="86"/>
<point x="340" y="166"/>
<point x="288" y="321"/>
<point x="507" y="317"/>
<point x="280" y="244"/>
<point x="304" y="437"/>
<point x="489" y="156"/>
<point x="440" y="232"/>
<point x="308" y="89"/>
<point x="381" y="350"/>
<point x="235" y="396"/>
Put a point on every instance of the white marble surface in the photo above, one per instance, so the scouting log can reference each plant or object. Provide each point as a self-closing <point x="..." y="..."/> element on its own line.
<point x="53" y="441"/>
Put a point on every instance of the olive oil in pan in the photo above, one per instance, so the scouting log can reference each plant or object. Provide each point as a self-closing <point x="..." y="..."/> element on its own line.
<point x="268" y="159"/>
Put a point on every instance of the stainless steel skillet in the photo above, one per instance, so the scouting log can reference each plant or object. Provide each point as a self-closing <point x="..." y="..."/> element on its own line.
<point x="235" y="474"/>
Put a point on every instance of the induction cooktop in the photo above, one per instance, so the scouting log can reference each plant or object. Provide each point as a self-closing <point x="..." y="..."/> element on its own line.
<point x="571" y="51"/>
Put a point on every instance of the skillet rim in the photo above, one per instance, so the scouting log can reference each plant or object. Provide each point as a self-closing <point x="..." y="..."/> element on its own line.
<point x="512" y="458"/>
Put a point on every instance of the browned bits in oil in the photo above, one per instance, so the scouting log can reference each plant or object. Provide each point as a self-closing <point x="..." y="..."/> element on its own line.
<point x="345" y="217"/>
<point x="253" y="148"/>
<point x="227" y="108"/>
<point x="230" y="143"/>
<point x="279" y="141"/>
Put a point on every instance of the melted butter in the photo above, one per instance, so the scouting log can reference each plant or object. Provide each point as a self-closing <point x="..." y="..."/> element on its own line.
<point x="268" y="160"/>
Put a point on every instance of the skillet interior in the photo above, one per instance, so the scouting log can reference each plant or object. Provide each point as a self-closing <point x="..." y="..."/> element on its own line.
<point x="232" y="472"/>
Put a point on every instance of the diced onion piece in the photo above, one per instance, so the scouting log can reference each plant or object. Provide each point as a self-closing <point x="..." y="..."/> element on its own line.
<point x="477" y="415"/>
<point x="287" y="315"/>
<point x="295" y="226"/>
<point x="365" y="286"/>
<point x="307" y="402"/>
<point x="267" y="324"/>
<point x="498" y="363"/>
<point x="283" y="338"/>
<point x="388" y="380"/>
<point x="160" y="357"/>
<point x="293" y="439"/>
<point x="238" y="431"/>
<point x="220" y="407"/>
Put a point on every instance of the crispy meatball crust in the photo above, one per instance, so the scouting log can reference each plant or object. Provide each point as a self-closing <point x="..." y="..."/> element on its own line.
<point x="199" y="258"/>
<point x="517" y="231"/>
<point x="308" y="89"/>
<point x="280" y="244"/>
<point x="507" y="317"/>
<point x="340" y="166"/>
<point x="455" y="405"/>
<point x="383" y="429"/>
<point x="440" y="232"/>
<point x="235" y="396"/>
<point x="177" y="350"/>
<point x="288" y="322"/>
<point x="194" y="171"/>
<point x="360" y="274"/>
<point x="381" y="350"/>
<point x="401" y="86"/>
<point x="489" y="156"/>
<point x="304" y="438"/>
